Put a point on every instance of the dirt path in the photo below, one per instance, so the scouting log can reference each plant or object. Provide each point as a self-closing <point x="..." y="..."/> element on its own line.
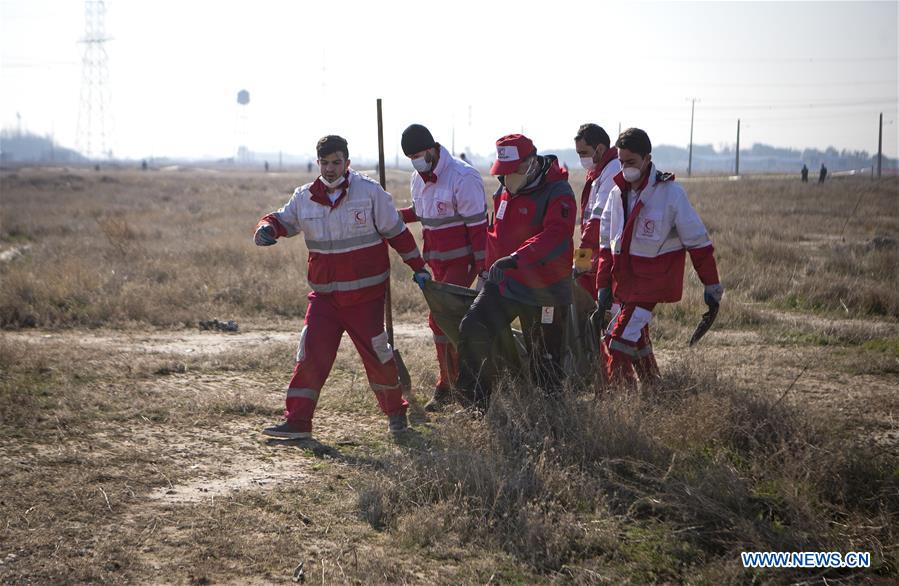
<point x="184" y="342"/>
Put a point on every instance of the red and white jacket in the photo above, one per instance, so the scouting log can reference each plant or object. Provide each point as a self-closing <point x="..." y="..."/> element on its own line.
<point x="449" y="201"/>
<point x="591" y="208"/>
<point x="537" y="226"/>
<point x="346" y="239"/>
<point x="643" y="259"/>
<point x="600" y="181"/>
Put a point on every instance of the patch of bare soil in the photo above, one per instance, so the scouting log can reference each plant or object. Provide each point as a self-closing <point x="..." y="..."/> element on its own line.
<point x="177" y="342"/>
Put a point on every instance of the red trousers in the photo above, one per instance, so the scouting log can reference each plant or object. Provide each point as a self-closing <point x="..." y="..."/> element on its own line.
<point x="319" y="340"/>
<point x="626" y="349"/>
<point x="447" y="357"/>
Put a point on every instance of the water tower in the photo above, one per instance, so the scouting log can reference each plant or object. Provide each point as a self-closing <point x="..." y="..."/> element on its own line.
<point x="243" y="104"/>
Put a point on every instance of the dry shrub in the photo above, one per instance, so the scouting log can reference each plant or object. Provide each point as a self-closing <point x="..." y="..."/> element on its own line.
<point x="706" y="469"/>
<point x="119" y="233"/>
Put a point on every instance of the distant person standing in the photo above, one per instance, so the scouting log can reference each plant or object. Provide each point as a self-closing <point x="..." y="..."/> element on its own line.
<point x="822" y="175"/>
<point x="804" y="173"/>
<point x="347" y="221"/>
<point x="448" y="199"/>
<point x="600" y="160"/>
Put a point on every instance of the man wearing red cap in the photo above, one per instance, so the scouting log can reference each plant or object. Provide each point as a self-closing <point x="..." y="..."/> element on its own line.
<point x="600" y="160"/>
<point x="347" y="220"/>
<point x="448" y="200"/>
<point x="646" y="229"/>
<point x="529" y="251"/>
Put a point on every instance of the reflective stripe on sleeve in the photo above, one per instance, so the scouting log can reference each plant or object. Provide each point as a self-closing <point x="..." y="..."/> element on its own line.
<point x="396" y="230"/>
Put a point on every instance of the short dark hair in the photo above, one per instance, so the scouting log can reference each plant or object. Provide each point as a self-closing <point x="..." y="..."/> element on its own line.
<point x="593" y="134"/>
<point x="635" y="140"/>
<point x="328" y="145"/>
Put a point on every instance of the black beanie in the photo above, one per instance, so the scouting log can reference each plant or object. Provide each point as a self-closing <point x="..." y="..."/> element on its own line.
<point x="416" y="138"/>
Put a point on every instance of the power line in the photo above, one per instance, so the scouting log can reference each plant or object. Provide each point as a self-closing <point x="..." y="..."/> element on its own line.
<point x="769" y="105"/>
<point x="790" y="84"/>
<point x="771" y="59"/>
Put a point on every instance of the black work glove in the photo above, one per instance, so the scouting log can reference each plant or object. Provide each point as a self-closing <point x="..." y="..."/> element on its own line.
<point x="498" y="269"/>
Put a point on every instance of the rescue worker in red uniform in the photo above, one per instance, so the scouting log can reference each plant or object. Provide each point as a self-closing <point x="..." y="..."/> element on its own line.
<point x="448" y="200"/>
<point x="347" y="221"/>
<point x="529" y="252"/>
<point x="646" y="229"/>
<point x="600" y="160"/>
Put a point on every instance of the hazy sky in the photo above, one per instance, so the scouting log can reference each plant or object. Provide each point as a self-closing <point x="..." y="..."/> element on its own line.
<point x="798" y="74"/>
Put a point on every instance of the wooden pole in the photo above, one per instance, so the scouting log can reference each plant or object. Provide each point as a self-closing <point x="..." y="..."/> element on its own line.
<point x="382" y="175"/>
<point x="690" y="155"/>
<point x="880" y="145"/>
<point x="404" y="378"/>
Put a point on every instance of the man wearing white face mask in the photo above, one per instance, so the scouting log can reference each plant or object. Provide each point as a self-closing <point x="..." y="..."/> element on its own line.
<point x="448" y="200"/>
<point x="529" y="252"/>
<point x="348" y="221"/>
<point x="600" y="160"/>
<point x="646" y="228"/>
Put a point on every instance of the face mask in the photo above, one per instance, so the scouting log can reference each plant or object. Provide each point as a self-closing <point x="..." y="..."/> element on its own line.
<point x="335" y="183"/>
<point x="587" y="163"/>
<point x="631" y="174"/>
<point x="515" y="181"/>
<point x="421" y="164"/>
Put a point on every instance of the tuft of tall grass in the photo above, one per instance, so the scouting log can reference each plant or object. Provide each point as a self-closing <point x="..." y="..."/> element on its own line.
<point x="707" y="469"/>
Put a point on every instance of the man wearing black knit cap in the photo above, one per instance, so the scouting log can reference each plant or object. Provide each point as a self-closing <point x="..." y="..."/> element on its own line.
<point x="448" y="199"/>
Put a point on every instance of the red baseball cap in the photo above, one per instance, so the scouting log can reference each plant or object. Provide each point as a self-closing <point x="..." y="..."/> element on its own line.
<point x="510" y="151"/>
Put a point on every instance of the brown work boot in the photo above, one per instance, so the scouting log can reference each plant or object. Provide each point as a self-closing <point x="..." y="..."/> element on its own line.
<point x="443" y="396"/>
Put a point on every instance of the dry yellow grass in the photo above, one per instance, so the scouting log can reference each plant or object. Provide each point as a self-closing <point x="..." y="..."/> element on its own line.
<point x="130" y="444"/>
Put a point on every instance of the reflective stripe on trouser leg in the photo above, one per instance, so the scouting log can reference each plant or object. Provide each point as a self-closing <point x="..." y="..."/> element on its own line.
<point x="364" y="323"/>
<point x="645" y="364"/>
<point x="315" y="356"/>
<point x="622" y="341"/>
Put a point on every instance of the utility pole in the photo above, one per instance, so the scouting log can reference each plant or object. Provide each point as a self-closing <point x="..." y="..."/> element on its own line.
<point x="879" y="145"/>
<point x="690" y="155"/>
<point x="738" y="147"/>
